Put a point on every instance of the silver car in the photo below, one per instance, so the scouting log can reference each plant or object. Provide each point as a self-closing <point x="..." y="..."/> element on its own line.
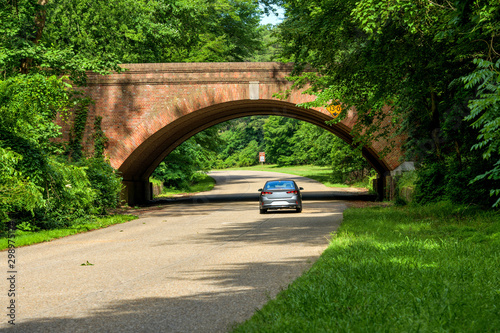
<point x="280" y="194"/>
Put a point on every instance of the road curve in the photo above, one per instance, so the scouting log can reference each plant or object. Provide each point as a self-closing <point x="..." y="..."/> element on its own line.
<point x="184" y="267"/>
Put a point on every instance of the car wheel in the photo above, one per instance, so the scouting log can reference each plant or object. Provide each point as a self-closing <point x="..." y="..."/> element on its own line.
<point x="298" y="210"/>
<point x="263" y="210"/>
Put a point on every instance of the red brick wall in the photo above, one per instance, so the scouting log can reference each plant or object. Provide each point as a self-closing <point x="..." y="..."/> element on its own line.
<point x="151" y="108"/>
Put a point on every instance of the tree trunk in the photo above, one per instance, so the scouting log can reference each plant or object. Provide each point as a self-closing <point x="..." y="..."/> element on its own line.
<point x="40" y="18"/>
<point x="435" y="125"/>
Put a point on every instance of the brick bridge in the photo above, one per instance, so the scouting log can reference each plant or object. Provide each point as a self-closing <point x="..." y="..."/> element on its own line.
<point x="152" y="108"/>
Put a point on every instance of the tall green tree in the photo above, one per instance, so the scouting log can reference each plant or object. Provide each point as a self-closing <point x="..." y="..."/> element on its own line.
<point x="409" y="55"/>
<point x="76" y="36"/>
<point x="230" y="32"/>
<point x="271" y="48"/>
<point x="315" y="145"/>
<point x="243" y="139"/>
<point x="45" y="44"/>
<point x="278" y="134"/>
<point x="180" y="169"/>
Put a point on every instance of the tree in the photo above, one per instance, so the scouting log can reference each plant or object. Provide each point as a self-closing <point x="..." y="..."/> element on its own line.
<point x="180" y="168"/>
<point x="271" y="48"/>
<point x="46" y="49"/>
<point x="278" y="133"/>
<point x="229" y="32"/>
<point x="409" y="55"/>
<point x="485" y="111"/>
<point x="243" y="139"/>
<point x="73" y="37"/>
<point x="315" y="145"/>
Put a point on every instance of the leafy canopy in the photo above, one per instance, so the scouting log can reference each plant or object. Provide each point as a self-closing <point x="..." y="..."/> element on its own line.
<point x="407" y="67"/>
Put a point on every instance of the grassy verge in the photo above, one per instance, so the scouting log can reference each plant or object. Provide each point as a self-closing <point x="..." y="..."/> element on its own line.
<point x="321" y="174"/>
<point x="410" y="269"/>
<point x="204" y="183"/>
<point x="23" y="238"/>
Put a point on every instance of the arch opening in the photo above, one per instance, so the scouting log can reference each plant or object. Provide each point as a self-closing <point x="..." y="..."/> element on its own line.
<point x="140" y="164"/>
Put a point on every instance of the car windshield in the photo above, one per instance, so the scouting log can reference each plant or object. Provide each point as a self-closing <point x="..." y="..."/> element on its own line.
<point x="280" y="185"/>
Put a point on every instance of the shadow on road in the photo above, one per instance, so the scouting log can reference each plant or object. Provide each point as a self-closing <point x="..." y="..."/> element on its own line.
<point x="197" y="313"/>
<point x="285" y="227"/>
<point x="221" y="198"/>
<point x="200" y="312"/>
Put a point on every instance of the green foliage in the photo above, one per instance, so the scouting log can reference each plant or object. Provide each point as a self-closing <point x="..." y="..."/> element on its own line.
<point x="430" y="186"/>
<point x="242" y="139"/>
<point x="105" y="181"/>
<point x="68" y="194"/>
<point x="73" y="37"/>
<point x="246" y="157"/>
<point x="38" y="185"/>
<point x="411" y="56"/>
<point x="485" y="111"/>
<point x="228" y="32"/>
<point x="156" y="31"/>
<point x="201" y="183"/>
<point x="16" y="191"/>
<point x="285" y="141"/>
<point x="450" y="181"/>
<point x="100" y="139"/>
<point x="80" y="113"/>
<point x="28" y="44"/>
<point x="278" y="133"/>
<point x="28" y="107"/>
<point x="429" y="269"/>
<point x="180" y="168"/>
<point x="313" y="145"/>
<point x="46" y="44"/>
<point x="271" y="48"/>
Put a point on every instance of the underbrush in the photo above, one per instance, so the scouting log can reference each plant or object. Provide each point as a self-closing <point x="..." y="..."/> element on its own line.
<point x="398" y="269"/>
<point x="201" y="183"/>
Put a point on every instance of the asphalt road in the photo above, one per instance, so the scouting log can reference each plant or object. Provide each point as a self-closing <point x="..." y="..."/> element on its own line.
<point x="190" y="266"/>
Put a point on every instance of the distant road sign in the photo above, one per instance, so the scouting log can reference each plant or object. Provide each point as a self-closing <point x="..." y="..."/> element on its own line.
<point x="334" y="110"/>
<point x="262" y="157"/>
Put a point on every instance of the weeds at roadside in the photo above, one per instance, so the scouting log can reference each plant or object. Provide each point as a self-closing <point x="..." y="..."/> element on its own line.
<point x="206" y="183"/>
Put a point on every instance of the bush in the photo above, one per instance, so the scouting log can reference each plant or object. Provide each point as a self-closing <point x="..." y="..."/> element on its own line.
<point x="458" y="189"/>
<point x="430" y="185"/>
<point x="105" y="181"/>
<point x="69" y="197"/>
<point x="441" y="181"/>
<point x="16" y="191"/>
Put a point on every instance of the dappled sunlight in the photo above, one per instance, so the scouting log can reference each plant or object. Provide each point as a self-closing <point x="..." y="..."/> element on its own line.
<point x="249" y="275"/>
<point x="279" y="227"/>
<point x="203" y="312"/>
<point x="411" y="262"/>
<point x="413" y="227"/>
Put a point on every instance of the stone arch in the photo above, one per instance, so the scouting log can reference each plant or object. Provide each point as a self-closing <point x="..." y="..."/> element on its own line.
<point x="150" y="109"/>
<point x="137" y="168"/>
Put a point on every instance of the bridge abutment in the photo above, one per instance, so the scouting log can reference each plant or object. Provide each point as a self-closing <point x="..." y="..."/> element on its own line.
<point x="137" y="192"/>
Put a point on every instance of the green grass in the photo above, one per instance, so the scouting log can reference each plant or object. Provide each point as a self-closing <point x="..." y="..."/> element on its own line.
<point x="410" y="269"/>
<point x="203" y="184"/>
<point x="23" y="238"/>
<point x="321" y="174"/>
